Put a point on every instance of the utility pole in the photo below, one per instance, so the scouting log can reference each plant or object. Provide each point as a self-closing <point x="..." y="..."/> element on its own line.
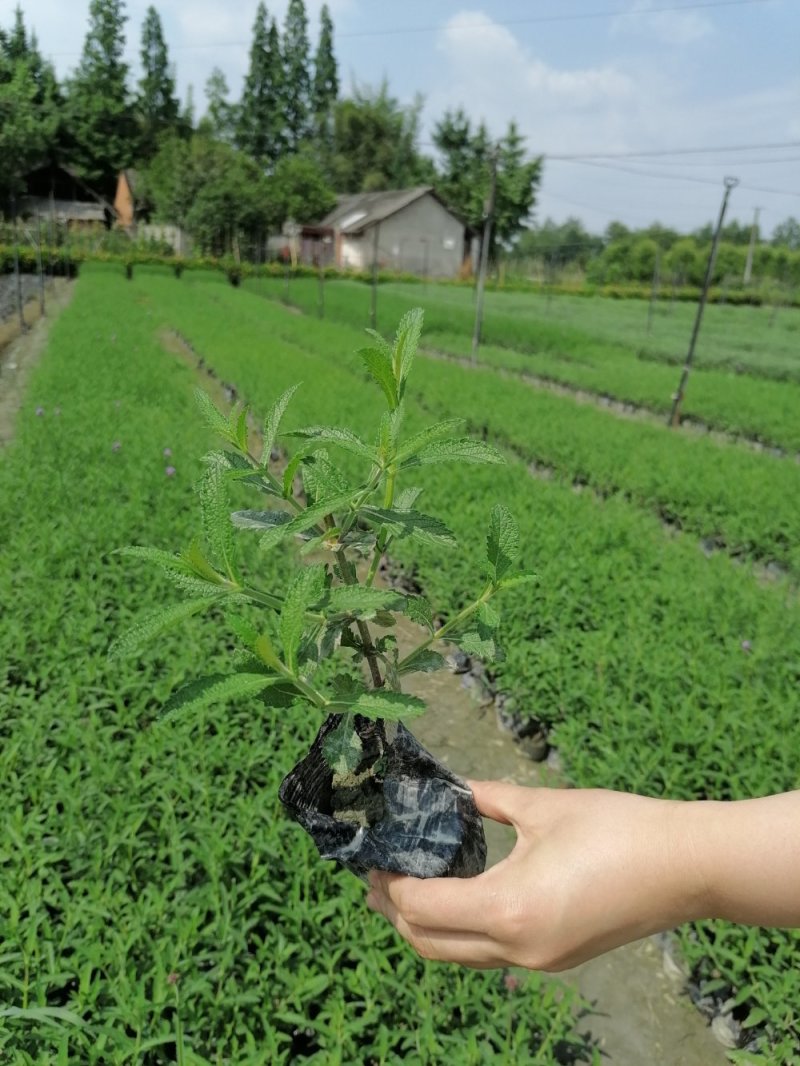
<point x="20" y="305"/>
<point x="488" y="219"/>
<point x="748" y="266"/>
<point x="373" y="307"/>
<point x="675" y="413"/>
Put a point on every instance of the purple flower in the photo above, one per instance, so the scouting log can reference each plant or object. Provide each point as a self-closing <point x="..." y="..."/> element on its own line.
<point x="167" y="453"/>
<point x="115" y="447"/>
<point x="747" y="645"/>
<point x="39" y="412"/>
<point x="170" y="471"/>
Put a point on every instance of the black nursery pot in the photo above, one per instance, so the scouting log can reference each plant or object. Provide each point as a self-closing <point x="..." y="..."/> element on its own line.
<point x="401" y="810"/>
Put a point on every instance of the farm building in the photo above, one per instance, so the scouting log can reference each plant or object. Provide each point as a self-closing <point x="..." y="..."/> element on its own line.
<point x="134" y="219"/>
<point x="56" y="194"/>
<point x="401" y="229"/>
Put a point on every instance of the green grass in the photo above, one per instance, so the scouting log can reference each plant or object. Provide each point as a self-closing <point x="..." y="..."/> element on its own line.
<point x="655" y="669"/>
<point x="156" y="906"/>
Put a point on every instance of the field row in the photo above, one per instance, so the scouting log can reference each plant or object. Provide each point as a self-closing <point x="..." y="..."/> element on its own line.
<point x="158" y="905"/>
<point x="656" y="669"/>
<point x="524" y="337"/>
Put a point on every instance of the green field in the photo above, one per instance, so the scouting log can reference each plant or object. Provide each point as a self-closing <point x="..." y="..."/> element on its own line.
<point x="132" y="853"/>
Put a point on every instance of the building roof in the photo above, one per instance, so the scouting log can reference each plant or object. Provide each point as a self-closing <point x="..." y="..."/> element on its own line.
<point x="357" y="212"/>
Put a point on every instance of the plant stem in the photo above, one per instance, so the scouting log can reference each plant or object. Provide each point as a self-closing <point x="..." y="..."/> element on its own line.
<point x="448" y="627"/>
<point x="349" y="578"/>
<point x="383" y="538"/>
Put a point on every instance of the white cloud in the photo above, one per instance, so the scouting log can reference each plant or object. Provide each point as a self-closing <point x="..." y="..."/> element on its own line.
<point x="668" y="27"/>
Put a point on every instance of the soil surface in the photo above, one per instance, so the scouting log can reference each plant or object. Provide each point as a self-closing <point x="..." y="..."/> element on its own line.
<point x="19" y="352"/>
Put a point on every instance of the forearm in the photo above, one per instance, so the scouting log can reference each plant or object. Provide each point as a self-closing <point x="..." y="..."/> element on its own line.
<point x="747" y="854"/>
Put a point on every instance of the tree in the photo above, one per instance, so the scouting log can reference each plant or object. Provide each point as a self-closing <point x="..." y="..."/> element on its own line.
<point x="465" y="174"/>
<point x="375" y="143"/>
<point x="296" y="76"/>
<point x="569" y="242"/>
<point x="259" y="122"/>
<point x="787" y="233"/>
<point x="220" y="117"/>
<point x="298" y="190"/>
<point x="100" y="115"/>
<point x="325" y="88"/>
<point x="157" y="105"/>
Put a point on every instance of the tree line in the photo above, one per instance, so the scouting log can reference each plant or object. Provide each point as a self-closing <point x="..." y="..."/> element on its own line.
<point x="283" y="149"/>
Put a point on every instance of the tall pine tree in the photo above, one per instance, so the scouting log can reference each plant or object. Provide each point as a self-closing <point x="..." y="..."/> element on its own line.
<point x="100" y="113"/>
<point x="296" y="76"/>
<point x="157" y="106"/>
<point x="220" y="116"/>
<point x="259" y="123"/>
<point x="325" y="88"/>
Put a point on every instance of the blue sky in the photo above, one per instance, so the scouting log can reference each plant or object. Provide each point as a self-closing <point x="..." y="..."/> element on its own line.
<point x="635" y="77"/>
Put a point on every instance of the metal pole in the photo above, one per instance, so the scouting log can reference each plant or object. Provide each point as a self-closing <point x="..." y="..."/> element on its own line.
<point x="748" y="266"/>
<point x="39" y="264"/>
<point x="675" y="413"/>
<point x="373" y="310"/>
<point x="321" y="291"/>
<point x="484" y="260"/>
<point x="20" y="310"/>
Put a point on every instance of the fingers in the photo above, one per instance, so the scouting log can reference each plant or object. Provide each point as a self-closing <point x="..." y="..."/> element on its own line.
<point x="499" y="800"/>
<point x="445" y="904"/>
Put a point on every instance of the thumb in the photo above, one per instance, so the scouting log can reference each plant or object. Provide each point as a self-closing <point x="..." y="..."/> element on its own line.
<point x="498" y="800"/>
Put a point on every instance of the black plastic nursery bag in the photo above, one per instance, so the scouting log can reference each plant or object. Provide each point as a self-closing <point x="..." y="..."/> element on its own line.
<point x="401" y="810"/>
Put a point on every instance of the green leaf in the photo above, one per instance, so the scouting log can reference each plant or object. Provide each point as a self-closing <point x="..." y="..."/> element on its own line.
<point x="405" y="500"/>
<point x="321" y="478"/>
<point x="389" y="434"/>
<point x="272" y="423"/>
<point x="502" y="541"/>
<point x="237" y="427"/>
<point x="422" y="527"/>
<point x="303" y="521"/>
<point x="379" y="367"/>
<point x="213" y="491"/>
<point x="49" y="1015"/>
<point x="389" y="705"/>
<point x="420" y="611"/>
<point x="342" y="747"/>
<point x="213" y="418"/>
<point x="200" y="565"/>
<point x="218" y="688"/>
<point x="306" y="588"/>
<point x="155" y="623"/>
<point x="428" y="436"/>
<point x="405" y="345"/>
<point x="425" y="662"/>
<point x="489" y="616"/>
<point x="345" y="438"/>
<point x="524" y="577"/>
<point x="291" y="469"/>
<point x="362" y="601"/>
<point x="465" y="450"/>
<point x="479" y="641"/>
<point x="178" y="570"/>
<point x="259" y="519"/>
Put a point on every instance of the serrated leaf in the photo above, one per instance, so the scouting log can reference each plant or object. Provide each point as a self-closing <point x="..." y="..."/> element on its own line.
<point x="379" y="367"/>
<point x="405" y="345"/>
<point x="342" y="747"/>
<point x="212" y="417"/>
<point x="259" y="519"/>
<point x="420" y="611"/>
<point x="178" y="570"/>
<point x="306" y="589"/>
<point x="213" y="492"/>
<point x="362" y="601"/>
<point x="290" y="470"/>
<point x="389" y="705"/>
<point x="243" y="629"/>
<point x="428" y="436"/>
<point x="345" y="438"/>
<point x="426" y="662"/>
<point x="406" y="498"/>
<point x="422" y="527"/>
<point x="237" y="427"/>
<point x="464" y="450"/>
<point x="489" y="616"/>
<point x="321" y="478"/>
<point x="272" y="423"/>
<point x="200" y="565"/>
<point x="389" y="433"/>
<point x="155" y="623"/>
<point x="502" y="541"/>
<point x="303" y="521"/>
<point x="479" y="641"/>
<point x="524" y="577"/>
<point x="216" y="688"/>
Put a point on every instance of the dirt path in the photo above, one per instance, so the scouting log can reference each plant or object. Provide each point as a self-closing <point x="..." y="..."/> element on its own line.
<point x="20" y="354"/>
<point x="641" y="1015"/>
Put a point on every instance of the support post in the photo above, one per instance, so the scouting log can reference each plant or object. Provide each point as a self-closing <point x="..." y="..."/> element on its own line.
<point x="20" y="306"/>
<point x="675" y="413"/>
<point x="373" y="309"/>
<point x="40" y="265"/>
<point x="488" y="218"/>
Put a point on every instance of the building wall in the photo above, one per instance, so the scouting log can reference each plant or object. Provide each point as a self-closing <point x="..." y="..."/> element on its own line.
<point x="423" y="238"/>
<point x="177" y="238"/>
<point x="123" y="203"/>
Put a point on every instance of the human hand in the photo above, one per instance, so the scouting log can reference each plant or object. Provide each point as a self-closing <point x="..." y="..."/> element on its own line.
<point x="591" y="869"/>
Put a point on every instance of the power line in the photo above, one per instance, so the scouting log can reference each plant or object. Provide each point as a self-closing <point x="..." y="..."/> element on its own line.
<point x="458" y="27"/>
<point x="681" y="177"/>
<point x="632" y="153"/>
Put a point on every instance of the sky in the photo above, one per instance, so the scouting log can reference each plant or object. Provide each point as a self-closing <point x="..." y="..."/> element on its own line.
<point x="578" y="77"/>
